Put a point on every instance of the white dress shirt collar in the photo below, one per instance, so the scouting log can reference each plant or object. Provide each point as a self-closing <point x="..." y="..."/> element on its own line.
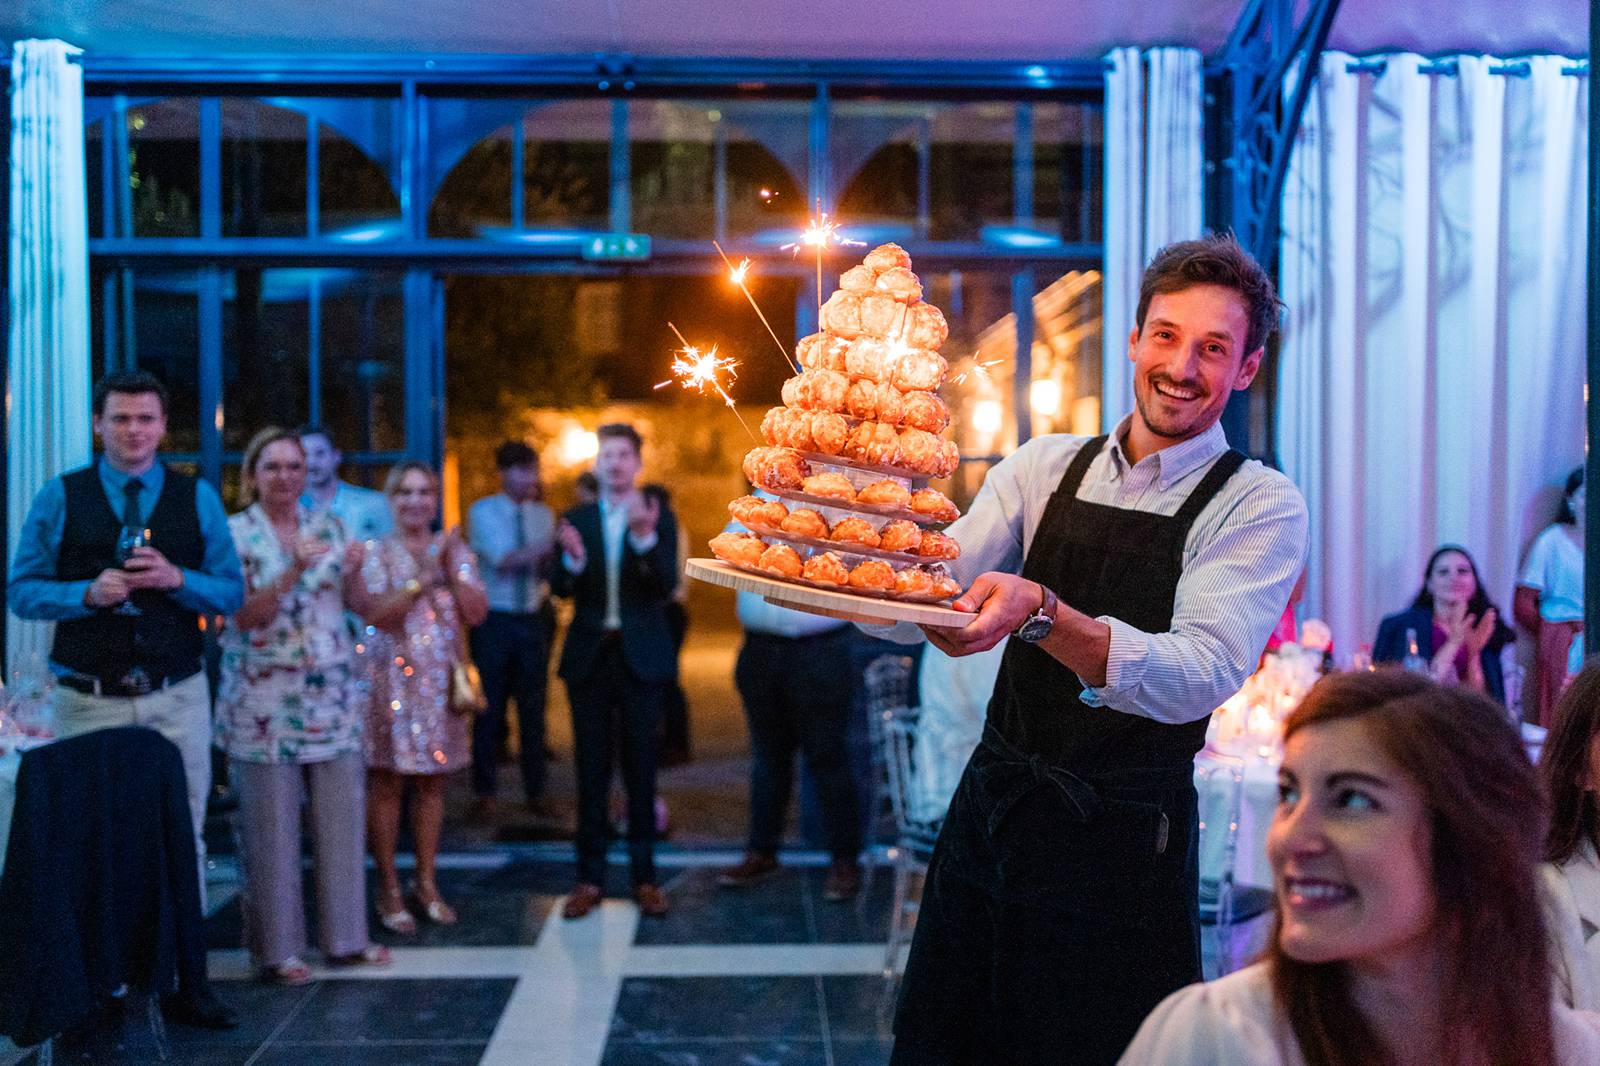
<point x="1174" y="462"/>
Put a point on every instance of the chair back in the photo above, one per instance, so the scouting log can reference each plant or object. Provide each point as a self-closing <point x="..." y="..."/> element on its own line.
<point x="1219" y="779"/>
<point x="913" y="828"/>
<point x="101" y="854"/>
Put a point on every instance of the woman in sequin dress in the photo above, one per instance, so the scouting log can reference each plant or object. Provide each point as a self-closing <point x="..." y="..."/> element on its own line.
<point x="421" y="589"/>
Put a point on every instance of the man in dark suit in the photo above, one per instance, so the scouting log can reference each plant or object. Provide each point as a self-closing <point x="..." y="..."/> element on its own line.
<point x="619" y="560"/>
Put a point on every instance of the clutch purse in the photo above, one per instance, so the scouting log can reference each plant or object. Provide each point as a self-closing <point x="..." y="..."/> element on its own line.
<point x="466" y="688"/>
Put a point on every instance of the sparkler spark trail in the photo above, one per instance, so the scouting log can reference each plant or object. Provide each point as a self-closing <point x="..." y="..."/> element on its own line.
<point x="698" y="370"/>
<point x="978" y="370"/>
<point x="819" y="233"/>
<point x="737" y="275"/>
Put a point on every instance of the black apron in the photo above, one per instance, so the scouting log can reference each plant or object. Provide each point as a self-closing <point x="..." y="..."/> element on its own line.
<point x="1061" y="904"/>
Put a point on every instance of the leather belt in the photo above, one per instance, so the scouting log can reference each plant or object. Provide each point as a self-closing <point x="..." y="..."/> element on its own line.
<point x="136" y="682"/>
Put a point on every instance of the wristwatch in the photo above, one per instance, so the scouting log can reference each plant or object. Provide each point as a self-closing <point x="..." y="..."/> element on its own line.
<point x="1037" y="626"/>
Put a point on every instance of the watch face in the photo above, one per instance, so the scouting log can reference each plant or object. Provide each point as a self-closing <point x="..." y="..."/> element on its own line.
<point x="1034" y="629"/>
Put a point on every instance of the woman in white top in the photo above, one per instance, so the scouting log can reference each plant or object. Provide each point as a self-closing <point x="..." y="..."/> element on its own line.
<point x="1549" y="600"/>
<point x="1408" y="929"/>
<point x="1570" y="764"/>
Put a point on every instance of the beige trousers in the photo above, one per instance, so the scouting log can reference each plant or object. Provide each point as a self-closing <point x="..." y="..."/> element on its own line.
<point x="268" y="827"/>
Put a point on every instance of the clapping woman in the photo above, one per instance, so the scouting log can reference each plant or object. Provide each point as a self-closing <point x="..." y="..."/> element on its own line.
<point x="289" y="715"/>
<point x="1458" y="629"/>
<point x="420" y="591"/>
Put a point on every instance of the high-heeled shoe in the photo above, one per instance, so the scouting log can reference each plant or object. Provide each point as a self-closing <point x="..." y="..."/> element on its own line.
<point x="435" y="910"/>
<point x="399" y="920"/>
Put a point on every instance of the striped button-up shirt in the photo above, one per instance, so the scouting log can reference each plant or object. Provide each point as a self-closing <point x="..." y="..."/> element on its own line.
<point x="1240" y="562"/>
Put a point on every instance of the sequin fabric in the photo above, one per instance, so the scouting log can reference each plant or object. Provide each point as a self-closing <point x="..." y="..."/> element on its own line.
<point x="410" y="728"/>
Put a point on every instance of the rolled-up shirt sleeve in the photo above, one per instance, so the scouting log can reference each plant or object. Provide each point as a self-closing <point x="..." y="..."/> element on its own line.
<point x="34" y="591"/>
<point x="217" y="587"/>
<point x="1232" y="591"/>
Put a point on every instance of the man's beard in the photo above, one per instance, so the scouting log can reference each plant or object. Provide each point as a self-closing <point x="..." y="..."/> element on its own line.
<point x="1149" y="400"/>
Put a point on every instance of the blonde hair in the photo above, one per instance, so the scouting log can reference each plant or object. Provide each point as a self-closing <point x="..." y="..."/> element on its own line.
<point x="397" y="473"/>
<point x="252" y="455"/>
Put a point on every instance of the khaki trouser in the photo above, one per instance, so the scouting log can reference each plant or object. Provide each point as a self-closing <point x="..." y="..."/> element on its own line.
<point x="181" y="713"/>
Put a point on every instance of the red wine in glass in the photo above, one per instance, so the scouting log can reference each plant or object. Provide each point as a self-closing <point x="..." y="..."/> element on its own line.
<point x="131" y="538"/>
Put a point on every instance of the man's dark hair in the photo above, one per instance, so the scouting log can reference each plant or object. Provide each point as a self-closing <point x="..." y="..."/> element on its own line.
<point x="515" y="453"/>
<point x="1566" y="515"/>
<point x="1214" y="260"/>
<point x="621" y="431"/>
<point x="129" y="383"/>
<point x="314" y="429"/>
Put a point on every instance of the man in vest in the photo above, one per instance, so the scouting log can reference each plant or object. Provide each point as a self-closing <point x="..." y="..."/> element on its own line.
<point x="1134" y="578"/>
<point x="126" y="556"/>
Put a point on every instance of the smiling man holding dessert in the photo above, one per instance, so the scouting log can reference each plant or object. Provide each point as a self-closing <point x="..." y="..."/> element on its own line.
<point x="1139" y="574"/>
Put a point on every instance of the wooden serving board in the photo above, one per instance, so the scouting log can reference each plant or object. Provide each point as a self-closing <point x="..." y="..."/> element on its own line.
<point x="849" y="606"/>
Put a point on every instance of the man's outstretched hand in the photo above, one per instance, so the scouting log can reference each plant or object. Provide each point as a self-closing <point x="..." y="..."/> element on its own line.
<point x="1002" y="602"/>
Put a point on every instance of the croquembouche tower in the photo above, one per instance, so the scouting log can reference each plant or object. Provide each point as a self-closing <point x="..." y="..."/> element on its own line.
<point x="848" y="456"/>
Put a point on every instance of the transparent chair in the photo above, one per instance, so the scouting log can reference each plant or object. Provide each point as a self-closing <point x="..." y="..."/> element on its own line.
<point x="888" y="691"/>
<point x="915" y="833"/>
<point x="1219" y="778"/>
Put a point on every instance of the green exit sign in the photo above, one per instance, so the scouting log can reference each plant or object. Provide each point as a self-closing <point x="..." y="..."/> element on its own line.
<point x="617" y="246"/>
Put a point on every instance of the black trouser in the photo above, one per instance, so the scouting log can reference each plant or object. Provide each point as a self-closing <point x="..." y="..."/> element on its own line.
<point x="796" y="696"/>
<point x="612" y="709"/>
<point x="512" y="654"/>
<point x="1051" y="923"/>
<point x="675" y="712"/>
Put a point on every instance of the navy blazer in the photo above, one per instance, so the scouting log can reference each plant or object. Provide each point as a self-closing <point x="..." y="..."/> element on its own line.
<point x="645" y="586"/>
<point x="1390" y="647"/>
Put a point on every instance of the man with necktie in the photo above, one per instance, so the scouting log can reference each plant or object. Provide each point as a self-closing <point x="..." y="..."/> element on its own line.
<point x="126" y="556"/>
<point x="514" y="537"/>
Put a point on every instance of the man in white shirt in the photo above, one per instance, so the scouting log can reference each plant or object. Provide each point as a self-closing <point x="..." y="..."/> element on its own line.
<point x="364" y="512"/>
<point x="514" y="537"/>
<point x="794" y="678"/>
<point x="1135" y="579"/>
<point x="619" y="563"/>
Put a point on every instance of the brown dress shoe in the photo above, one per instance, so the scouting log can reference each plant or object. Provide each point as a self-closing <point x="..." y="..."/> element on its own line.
<point x="755" y="868"/>
<point x="581" y="900"/>
<point x="652" y="901"/>
<point x="844" y="881"/>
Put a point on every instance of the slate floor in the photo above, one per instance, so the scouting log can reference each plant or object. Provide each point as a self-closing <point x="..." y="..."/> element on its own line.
<point x="767" y="975"/>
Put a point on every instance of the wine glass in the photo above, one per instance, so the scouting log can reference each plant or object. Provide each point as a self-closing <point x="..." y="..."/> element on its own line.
<point x="131" y="538"/>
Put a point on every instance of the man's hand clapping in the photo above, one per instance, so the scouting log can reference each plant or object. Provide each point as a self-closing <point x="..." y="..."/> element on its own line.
<point x="572" y="544"/>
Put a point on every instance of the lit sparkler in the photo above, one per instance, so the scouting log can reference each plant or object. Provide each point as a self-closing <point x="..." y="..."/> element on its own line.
<point x="702" y="370"/>
<point x="737" y="275"/>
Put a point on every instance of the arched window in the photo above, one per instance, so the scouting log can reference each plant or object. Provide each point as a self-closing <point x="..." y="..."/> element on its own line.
<point x="558" y="152"/>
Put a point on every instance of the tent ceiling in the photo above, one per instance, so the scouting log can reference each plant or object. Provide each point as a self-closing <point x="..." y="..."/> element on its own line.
<point x="804" y="29"/>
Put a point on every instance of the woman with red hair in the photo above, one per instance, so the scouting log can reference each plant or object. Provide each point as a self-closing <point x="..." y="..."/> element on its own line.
<point x="1408" y="925"/>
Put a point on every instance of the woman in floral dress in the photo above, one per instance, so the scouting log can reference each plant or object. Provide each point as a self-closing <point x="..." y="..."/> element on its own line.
<point x="289" y="715"/>
<point x="421" y="590"/>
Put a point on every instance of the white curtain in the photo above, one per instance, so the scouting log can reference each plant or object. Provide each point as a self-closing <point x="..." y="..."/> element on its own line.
<point x="1432" y="367"/>
<point x="1155" y="150"/>
<point x="48" y="410"/>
